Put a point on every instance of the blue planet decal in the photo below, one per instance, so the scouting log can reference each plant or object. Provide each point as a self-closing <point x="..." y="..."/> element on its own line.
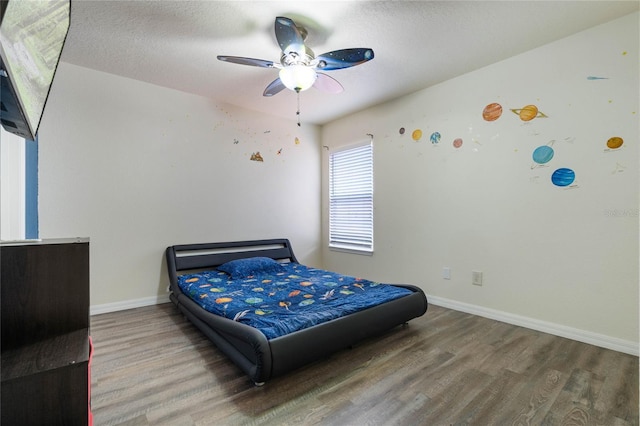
<point x="563" y="177"/>
<point x="543" y="154"/>
<point x="435" y="138"/>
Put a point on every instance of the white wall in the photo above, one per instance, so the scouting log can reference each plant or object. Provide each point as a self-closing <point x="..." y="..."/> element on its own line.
<point x="12" y="186"/>
<point x="553" y="255"/>
<point x="137" y="168"/>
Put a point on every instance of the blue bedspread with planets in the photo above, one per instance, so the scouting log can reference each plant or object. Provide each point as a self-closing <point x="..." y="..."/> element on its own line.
<point x="286" y="298"/>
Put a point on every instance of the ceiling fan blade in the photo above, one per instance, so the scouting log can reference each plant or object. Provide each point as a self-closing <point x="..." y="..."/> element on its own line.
<point x="275" y="87"/>
<point x="328" y="84"/>
<point x="288" y="36"/>
<point x="344" y="58"/>
<point x="247" y="61"/>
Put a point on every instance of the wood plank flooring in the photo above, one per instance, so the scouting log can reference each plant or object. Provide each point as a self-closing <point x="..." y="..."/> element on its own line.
<point x="152" y="367"/>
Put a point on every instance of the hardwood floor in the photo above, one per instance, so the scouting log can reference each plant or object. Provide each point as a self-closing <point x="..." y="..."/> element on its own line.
<point x="152" y="367"/>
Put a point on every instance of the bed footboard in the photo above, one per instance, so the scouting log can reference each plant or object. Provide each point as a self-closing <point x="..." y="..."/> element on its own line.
<point x="302" y="347"/>
<point x="246" y="347"/>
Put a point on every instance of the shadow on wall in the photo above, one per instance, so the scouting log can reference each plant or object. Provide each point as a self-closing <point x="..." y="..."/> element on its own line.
<point x="163" y="283"/>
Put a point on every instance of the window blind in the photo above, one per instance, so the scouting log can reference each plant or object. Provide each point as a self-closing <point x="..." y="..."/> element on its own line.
<point x="351" y="198"/>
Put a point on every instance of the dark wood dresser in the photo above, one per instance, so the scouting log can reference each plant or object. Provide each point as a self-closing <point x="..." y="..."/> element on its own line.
<point x="45" y="332"/>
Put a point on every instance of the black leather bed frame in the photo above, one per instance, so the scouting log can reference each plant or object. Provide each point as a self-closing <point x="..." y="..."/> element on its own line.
<point x="247" y="347"/>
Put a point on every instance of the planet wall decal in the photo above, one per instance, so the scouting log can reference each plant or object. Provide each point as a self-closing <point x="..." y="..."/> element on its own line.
<point x="528" y="113"/>
<point x="543" y="154"/>
<point x="563" y="177"/>
<point x="435" y="138"/>
<point x="492" y="112"/>
<point x="457" y="143"/>
<point x="416" y="135"/>
<point x="614" y="142"/>
<point x="401" y="130"/>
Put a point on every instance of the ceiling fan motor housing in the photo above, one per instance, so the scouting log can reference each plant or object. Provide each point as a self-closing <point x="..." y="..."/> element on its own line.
<point x="295" y="58"/>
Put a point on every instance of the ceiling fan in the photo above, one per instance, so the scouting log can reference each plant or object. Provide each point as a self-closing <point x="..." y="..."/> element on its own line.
<point x="299" y="67"/>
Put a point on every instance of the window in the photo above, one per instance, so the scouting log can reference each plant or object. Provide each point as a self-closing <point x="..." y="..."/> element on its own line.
<point x="351" y="198"/>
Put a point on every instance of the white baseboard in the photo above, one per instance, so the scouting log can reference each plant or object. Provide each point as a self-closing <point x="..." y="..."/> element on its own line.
<point x="613" y="343"/>
<point x="128" y="304"/>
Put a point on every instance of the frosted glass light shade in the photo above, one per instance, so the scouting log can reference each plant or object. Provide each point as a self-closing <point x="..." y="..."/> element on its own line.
<point x="298" y="77"/>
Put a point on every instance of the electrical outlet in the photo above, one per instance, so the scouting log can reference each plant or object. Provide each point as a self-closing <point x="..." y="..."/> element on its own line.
<point x="446" y="273"/>
<point x="476" y="277"/>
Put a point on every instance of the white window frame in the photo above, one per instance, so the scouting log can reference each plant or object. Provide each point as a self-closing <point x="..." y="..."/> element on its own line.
<point x="351" y="198"/>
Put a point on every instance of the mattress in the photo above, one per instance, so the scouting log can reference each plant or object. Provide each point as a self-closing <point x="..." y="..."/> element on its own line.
<point x="286" y="298"/>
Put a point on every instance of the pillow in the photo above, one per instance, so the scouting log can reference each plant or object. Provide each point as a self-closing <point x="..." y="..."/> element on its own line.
<point x="243" y="268"/>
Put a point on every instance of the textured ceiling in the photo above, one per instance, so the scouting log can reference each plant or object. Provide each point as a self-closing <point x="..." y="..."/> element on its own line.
<point x="417" y="44"/>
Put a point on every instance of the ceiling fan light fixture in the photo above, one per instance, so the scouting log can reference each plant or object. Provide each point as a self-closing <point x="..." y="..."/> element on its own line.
<point x="298" y="77"/>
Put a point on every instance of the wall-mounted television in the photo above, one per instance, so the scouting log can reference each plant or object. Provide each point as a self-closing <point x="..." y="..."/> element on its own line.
<point x="32" y="34"/>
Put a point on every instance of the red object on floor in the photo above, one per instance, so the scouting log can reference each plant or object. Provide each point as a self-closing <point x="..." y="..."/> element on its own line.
<point x="90" y="420"/>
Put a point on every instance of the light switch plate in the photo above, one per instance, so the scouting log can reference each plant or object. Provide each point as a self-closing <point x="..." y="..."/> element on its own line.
<point x="476" y="277"/>
<point x="446" y="273"/>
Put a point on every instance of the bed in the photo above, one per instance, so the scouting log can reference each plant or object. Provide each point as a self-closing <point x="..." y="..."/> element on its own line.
<point x="252" y="285"/>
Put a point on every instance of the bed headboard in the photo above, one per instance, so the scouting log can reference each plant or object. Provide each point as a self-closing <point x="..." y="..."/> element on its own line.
<point x="210" y="255"/>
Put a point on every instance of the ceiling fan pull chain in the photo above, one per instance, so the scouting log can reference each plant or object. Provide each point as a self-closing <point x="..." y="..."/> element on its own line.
<point x="298" y="112"/>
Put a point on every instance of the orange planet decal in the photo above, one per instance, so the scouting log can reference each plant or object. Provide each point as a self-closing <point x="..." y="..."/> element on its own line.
<point x="416" y="135"/>
<point x="457" y="143"/>
<point x="492" y="112"/>
<point x="614" y="142"/>
<point x="528" y="113"/>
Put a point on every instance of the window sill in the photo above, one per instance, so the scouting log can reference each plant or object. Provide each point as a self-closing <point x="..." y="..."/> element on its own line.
<point x="346" y="249"/>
